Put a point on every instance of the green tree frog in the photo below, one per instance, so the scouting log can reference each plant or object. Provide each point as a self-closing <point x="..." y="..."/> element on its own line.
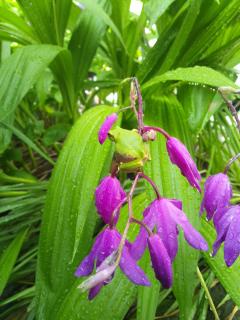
<point x="131" y="152"/>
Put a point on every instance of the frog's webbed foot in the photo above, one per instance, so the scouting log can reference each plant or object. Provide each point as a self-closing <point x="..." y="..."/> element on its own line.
<point x="131" y="166"/>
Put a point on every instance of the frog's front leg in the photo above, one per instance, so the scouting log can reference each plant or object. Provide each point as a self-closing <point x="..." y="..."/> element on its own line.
<point x="131" y="166"/>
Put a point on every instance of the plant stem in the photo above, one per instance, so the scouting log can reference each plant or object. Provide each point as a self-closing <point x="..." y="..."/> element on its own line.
<point x="116" y="211"/>
<point x="141" y="223"/>
<point x="130" y="216"/>
<point x="230" y="162"/>
<point x="140" y="106"/>
<point x="203" y="284"/>
<point x="160" y="130"/>
<point x="142" y="175"/>
<point x="133" y="99"/>
<point x="231" y="108"/>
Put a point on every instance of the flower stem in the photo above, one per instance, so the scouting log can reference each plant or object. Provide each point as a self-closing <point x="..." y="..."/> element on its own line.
<point x="142" y="175"/>
<point x="140" y="105"/>
<point x="124" y="108"/>
<point x="130" y="216"/>
<point x="231" y="108"/>
<point x="133" y="100"/>
<point x="160" y="130"/>
<point x="111" y="224"/>
<point x="141" y="223"/>
<point x="230" y="162"/>
<point x="211" y="303"/>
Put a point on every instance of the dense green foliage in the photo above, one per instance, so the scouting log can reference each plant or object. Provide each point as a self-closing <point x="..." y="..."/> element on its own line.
<point x="64" y="66"/>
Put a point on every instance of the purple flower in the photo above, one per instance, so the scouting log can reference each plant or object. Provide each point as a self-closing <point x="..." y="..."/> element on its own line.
<point x="180" y="156"/>
<point x="103" y="255"/>
<point x="217" y="194"/>
<point x="108" y="196"/>
<point x="227" y="223"/>
<point x="106" y="126"/>
<point x="166" y="215"/>
<point x="161" y="261"/>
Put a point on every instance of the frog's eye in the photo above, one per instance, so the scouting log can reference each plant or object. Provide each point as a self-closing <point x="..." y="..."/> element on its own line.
<point x="106" y="126"/>
<point x="111" y="136"/>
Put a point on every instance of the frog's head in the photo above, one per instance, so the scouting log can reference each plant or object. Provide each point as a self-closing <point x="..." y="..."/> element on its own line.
<point x="129" y="145"/>
<point x="114" y="134"/>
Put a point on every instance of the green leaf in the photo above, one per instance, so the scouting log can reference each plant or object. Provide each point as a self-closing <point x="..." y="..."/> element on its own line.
<point x="69" y="216"/>
<point x="154" y="9"/>
<point x="197" y="74"/>
<point x="55" y="133"/>
<point x="84" y="42"/>
<point x="167" y="113"/>
<point x="209" y="30"/>
<point x="27" y="141"/>
<point x="97" y="10"/>
<point x="15" y="27"/>
<point x="20" y="71"/>
<point x="9" y="257"/>
<point x="196" y="102"/>
<point x="182" y="36"/>
<point x="229" y="277"/>
<point x="42" y="16"/>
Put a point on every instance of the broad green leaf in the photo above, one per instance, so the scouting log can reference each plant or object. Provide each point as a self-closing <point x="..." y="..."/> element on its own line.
<point x="166" y="112"/>
<point x="210" y="30"/>
<point x="182" y="36"/>
<point x="9" y="257"/>
<point x="156" y="55"/>
<point x="69" y="216"/>
<point x="195" y="75"/>
<point x="154" y="9"/>
<point x="61" y="10"/>
<point x="196" y="102"/>
<point x="42" y="18"/>
<point x="62" y="68"/>
<point x="97" y="10"/>
<point x="20" y="71"/>
<point x="15" y="28"/>
<point x="48" y="18"/>
<point x="84" y="42"/>
<point x="115" y="299"/>
<point x="229" y="277"/>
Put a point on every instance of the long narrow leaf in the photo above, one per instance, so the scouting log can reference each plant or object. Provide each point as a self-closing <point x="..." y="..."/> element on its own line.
<point x="8" y="259"/>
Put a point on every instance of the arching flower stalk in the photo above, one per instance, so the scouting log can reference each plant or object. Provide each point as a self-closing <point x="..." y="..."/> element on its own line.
<point x="161" y="219"/>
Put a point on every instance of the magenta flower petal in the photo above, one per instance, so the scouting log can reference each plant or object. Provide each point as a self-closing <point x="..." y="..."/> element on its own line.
<point x="217" y="194"/>
<point x="106" y="127"/>
<point x="129" y="266"/>
<point x="139" y="245"/>
<point x="167" y="230"/>
<point x="232" y="241"/>
<point x="110" y="242"/>
<point x="105" y="244"/>
<point x="222" y="220"/>
<point x="87" y="265"/>
<point x="223" y="217"/>
<point x="180" y="156"/>
<point x="177" y="203"/>
<point x="108" y="196"/>
<point x="95" y="291"/>
<point x="161" y="261"/>
<point x="192" y="236"/>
